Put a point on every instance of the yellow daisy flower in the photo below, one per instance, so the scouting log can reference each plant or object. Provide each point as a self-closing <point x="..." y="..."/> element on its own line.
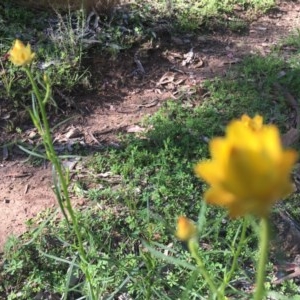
<point x="21" y="55"/>
<point x="249" y="170"/>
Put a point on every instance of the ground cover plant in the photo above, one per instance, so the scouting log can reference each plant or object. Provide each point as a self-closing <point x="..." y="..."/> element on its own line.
<point x="138" y="189"/>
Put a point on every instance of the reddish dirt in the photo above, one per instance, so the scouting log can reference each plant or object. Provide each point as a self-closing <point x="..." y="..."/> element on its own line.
<point x="25" y="191"/>
<point x="124" y="96"/>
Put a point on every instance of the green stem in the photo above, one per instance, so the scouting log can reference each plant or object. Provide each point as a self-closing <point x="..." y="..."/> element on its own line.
<point x="236" y="256"/>
<point x="46" y="135"/>
<point x="263" y="257"/>
<point x="193" y="247"/>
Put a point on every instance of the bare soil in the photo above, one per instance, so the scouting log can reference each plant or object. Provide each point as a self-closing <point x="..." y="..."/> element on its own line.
<point x="128" y="87"/>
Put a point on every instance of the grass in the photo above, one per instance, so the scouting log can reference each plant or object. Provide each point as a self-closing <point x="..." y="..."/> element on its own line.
<point x="155" y="183"/>
<point x="129" y="224"/>
<point x="62" y="41"/>
<point x="57" y="48"/>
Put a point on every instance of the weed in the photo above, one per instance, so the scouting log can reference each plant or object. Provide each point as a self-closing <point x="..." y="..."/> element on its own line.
<point x="59" y="47"/>
<point x="293" y="39"/>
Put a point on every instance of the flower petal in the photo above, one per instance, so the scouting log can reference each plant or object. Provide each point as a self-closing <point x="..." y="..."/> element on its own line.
<point x="20" y="55"/>
<point x="219" y="196"/>
<point x="249" y="170"/>
<point x="209" y="171"/>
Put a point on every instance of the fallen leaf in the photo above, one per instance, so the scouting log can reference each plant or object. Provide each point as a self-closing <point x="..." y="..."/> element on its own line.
<point x="32" y="134"/>
<point x="166" y="78"/>
<point x="104" y="175"/>
<point x="188" y="57"/>
<point x="73" y="133"/>
<point x="179" y="81"/>
<point x="261" y="28"/>
<point x="150" y="104"/>
<point x="135" y="129"/>
<point x="71" y="163"/>
<point x="291" y="270"/>
<point x="174" y="55"/>
<point x="199" y="64"/>
<point x="6" y="116"/>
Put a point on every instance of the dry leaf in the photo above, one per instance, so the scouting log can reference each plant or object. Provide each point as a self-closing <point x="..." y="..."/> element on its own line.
<point x="135" y="129"/>
<point x="174" y="55"/>
<point x="188" y="57"/>
<point x="73" y="133"/>
<point x="291" y="269"/>
<point x="6" y="116"/>
<point x="166" y="78"/>
<point x="32" y="134"/>
<point x="199" y="64"/>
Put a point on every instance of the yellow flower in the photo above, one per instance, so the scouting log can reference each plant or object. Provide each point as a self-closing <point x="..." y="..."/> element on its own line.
<point x="249" y="170"/>
<point x="21" y="55"/>
<point x="186" y="229"/>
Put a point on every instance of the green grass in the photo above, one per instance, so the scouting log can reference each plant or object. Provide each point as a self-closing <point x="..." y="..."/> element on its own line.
<point x="149" y="181"/>
<point x="153" y="183"/>
<point x="189" y="16"/>
<point x="57" y="45"/>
